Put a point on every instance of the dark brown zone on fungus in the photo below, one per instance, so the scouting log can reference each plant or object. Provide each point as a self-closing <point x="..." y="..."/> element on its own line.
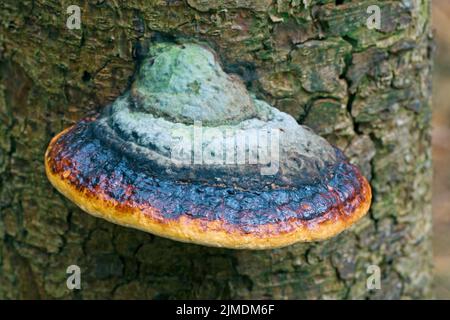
<point x="82" y="160"/>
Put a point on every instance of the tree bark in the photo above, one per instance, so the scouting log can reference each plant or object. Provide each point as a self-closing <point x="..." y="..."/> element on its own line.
<point x="365" y="90"/>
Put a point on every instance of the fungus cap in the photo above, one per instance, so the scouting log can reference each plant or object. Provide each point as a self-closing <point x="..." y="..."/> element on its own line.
<point x="188" y="154"/>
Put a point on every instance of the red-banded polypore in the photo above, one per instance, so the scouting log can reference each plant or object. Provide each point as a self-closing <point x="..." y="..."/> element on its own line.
<point x="248" y="177"/>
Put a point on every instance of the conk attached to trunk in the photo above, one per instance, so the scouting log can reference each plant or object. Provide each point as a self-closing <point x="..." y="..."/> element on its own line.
<point x="188" y="154"/>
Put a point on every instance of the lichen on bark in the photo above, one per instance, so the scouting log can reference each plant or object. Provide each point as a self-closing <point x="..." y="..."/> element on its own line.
<point x="365" y="90"/>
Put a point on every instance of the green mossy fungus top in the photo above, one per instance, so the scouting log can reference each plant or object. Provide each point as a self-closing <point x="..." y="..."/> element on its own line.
<point x="185" y="83"/>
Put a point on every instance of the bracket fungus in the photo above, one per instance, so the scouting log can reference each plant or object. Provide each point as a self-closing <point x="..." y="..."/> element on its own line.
<point x="189" y="154"/>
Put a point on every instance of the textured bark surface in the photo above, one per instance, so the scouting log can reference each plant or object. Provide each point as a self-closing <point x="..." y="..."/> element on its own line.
<point x="367" y="91"/>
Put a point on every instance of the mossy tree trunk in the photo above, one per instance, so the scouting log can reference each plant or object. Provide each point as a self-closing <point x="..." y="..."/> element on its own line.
<point x="365" y="90"/>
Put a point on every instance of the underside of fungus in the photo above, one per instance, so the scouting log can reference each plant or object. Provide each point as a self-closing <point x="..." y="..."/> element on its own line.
<point x="189" y="154"/>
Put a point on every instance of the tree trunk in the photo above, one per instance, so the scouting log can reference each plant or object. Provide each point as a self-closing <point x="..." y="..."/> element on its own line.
<point x="365" y="90"/>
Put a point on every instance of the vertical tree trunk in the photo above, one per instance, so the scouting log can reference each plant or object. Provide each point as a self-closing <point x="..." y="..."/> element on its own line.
<point x="366" y="90"/>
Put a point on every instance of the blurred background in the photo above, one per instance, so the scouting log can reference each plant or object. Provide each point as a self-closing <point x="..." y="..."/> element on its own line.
<point x="441" y="148"/>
